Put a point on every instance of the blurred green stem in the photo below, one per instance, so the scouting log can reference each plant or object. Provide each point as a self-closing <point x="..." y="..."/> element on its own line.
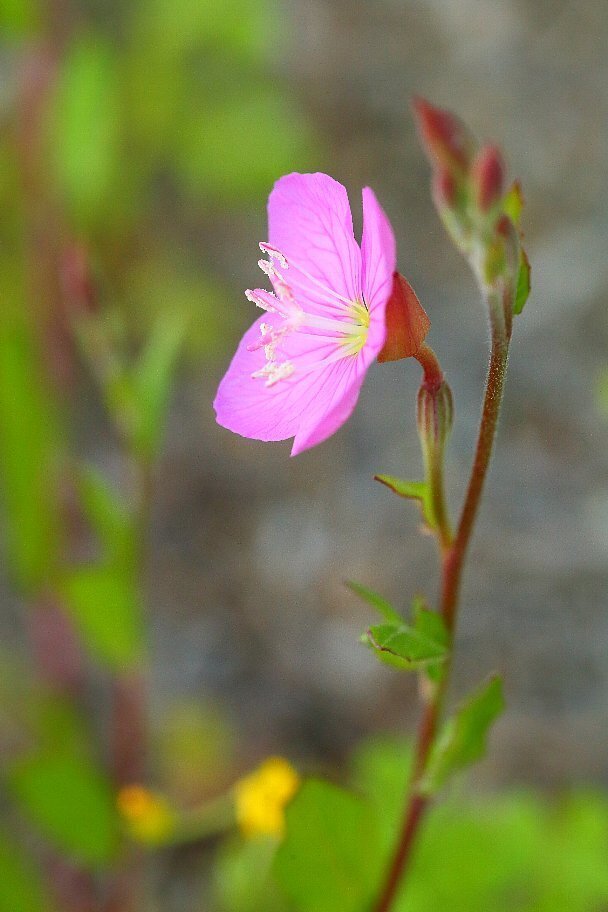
<point x="499" y="301"/>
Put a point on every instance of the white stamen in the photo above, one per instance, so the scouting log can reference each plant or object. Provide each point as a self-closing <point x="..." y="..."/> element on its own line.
<point x="274" y="371"/>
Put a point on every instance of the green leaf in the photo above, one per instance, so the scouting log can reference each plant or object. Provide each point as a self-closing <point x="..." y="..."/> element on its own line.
<point x="104" y="602"/>
<point x="382" y="606"/>
<point x="404" y="646"/>
<point x="85" y="122"/>
<point x="522" y="292"/>
<point x="106" y="512"/>
<point x="411" y="490"/>
<point x="72" y="804"/>
<point x="153" y="376"/>
<point x="21" y="887"/>
<point x="242" y="875"/>
<point x="29" y="457"/>
<point x="431" y="624"/>
<point x="463" y="739"/>
<point x="331" y="856"/>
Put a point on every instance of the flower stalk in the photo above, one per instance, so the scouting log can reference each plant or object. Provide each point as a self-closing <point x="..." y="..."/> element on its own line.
<point x="491" y="243"/>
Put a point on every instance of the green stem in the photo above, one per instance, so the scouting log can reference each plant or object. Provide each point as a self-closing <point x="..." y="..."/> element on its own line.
<point x="454" y="555"/>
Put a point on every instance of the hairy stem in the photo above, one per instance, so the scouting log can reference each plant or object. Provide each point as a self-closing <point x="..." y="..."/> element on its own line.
<point x="453" y="559"/>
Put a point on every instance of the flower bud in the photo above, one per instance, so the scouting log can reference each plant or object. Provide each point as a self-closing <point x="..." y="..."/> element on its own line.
<point x="406" y="322"/>
<point x="443" y="190"/>
<point x="502" y="254"/>
<point x="447" y="141"/>
<point x="487" y="177"/>
<point x="434" y="416"/>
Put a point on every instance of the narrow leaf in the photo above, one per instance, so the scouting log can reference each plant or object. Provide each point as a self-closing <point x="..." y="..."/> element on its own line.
<point x="153" y="376"/>
<point x="382" y="606"/>
<point x="106" y="512"/>
<point x="463" y="739"/>
<point x="411" y="490"/>
<point x="522" y="292"/>
<point x="331" y="856"/>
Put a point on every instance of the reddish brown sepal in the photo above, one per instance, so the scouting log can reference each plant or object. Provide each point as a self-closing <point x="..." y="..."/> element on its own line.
<point x="407" y="324"/>
<point x="487" y="177"/>
<point x="447" y="141"/>
<point x="443" y="189"/>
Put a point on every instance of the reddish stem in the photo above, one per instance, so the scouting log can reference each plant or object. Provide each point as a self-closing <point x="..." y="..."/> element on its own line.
<point x="452" y="566"/>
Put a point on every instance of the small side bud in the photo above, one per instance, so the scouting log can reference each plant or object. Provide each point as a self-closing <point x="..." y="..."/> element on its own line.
<point x="443" y="190"/>
<point x="407" y="323"/>
<point x="447" y="141"/>
<point x="434" y="416"/>
<point x="487" y="178"/>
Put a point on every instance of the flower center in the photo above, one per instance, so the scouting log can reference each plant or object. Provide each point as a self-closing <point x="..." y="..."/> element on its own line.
<point x="344" y="323"/>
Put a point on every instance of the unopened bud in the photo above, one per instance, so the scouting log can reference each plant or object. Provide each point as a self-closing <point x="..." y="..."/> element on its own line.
<point x="502" y="254"/>
<point x="487" y="177"/>
<point x="407" y="324"/>
<point x="443" y="189"/>
<point x="447" y="141"/>
<point x="434" y="416"/>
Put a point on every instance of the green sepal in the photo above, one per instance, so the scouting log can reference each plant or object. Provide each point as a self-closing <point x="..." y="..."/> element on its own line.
<point x="463" y="738"/>
<point x="382" y="606"/>
<point x="522" y="291"/>
<point x="513" y="203"/>
<point x="411" y="490"/>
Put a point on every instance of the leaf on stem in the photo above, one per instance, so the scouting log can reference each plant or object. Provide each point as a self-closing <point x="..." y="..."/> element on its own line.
<point x="463" y="738"/>
<point x="522" y="291"/>
<point x="411" y="490"/>
<point x="382" y="606"/>
<point x="404" y="646"/>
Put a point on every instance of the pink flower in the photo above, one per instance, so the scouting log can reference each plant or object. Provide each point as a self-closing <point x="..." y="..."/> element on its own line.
<point x="298" y="370"/>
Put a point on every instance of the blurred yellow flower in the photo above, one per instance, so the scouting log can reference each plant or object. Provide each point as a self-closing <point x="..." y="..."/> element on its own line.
<point x="148" y="815"/>
<point x="260" y="798"/>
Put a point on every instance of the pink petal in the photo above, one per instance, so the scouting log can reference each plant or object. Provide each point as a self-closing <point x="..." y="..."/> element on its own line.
<point x="248" y="407"/>
<point x="310" y="222"/>
<point x="345" y="382"/>
<point x="378" y="254"/>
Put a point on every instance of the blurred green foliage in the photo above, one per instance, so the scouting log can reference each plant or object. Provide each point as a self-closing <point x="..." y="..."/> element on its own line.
<point x="511" y="852"/>
<point x="130" y="135"/>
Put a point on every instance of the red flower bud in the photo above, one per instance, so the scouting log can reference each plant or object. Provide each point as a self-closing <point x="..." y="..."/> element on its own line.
<point x="443" y="189"/>
<point x="407" y="324"/>
<point x="447" y="141"/>
<point x="487" y="177"/>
